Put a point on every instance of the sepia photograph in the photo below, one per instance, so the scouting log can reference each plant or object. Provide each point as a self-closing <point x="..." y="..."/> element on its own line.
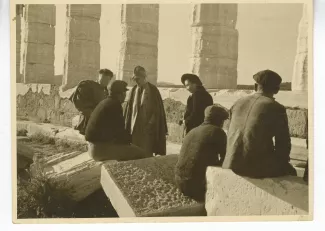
<point x="184" y="111"/>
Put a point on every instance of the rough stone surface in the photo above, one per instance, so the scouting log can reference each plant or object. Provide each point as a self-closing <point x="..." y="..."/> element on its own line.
<point x="146" y="188"/>
<point x="215" y="44"/>
<point x="231" y="195"/>
<point x="37" y="44"/>
<point x="82" y="48"/>
<point x="139" y="45"/>
<point x="300" y="71"/>
<point x="43" y="104"/>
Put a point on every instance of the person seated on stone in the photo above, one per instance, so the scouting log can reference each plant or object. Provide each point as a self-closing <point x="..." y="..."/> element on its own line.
<point x="196" y="102"/>
<point x="255" y="121"/>
<point x="88" y="94"/>
<point x="105" y="131"/>
<point x="203" y="146"/>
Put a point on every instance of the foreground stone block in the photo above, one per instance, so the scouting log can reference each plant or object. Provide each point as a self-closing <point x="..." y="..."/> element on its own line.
<point x="139" y="45"/>
<point x="231" y="195"/>
<point x="215" y="44"/>
<point x="78" y="172"/>
<point x="300" y="71"/>
<point x="82" y="48"/>
<point x="38" y="41"/>
<point x="146" y="188"/>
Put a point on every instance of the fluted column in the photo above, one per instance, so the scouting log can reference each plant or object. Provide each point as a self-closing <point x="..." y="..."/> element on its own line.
<point x="300" y="71"/>
<point x="215" y="44"/>
<point x="38" y="41"/>
<point x="139" y="45"/>
<point x="82" y="45"/>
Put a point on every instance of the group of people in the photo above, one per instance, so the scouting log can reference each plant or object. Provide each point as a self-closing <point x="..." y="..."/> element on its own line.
<point x="257" y="144"/>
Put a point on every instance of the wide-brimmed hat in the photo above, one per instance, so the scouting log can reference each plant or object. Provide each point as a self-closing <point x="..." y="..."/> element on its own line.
<point x="192" y="78"/>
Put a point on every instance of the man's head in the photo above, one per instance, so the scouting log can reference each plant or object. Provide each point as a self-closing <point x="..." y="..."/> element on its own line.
<point x="118" y="89"/>
<point x="267" y="82"/>
<point x="191" y="82"/>
<point x="216" y="115"/>
<point x="104" y="77"/>
<point x="139" y="75"/>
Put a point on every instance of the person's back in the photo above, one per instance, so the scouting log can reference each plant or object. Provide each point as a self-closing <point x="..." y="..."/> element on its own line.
<point x="106" y="123"/>
<point x="203" y="146"/>
<point x="254" y="122"/>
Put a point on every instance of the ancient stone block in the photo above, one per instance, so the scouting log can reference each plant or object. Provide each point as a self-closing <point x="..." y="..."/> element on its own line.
<point x="39" y="54"/>
<point x="215" y="44"/>
<point x="300" y="71"/>
<point x="139" y="44"/>
<point x="231" y="195"/>
<point x="82" y="48"/>
<point x="40" y="13"/>
<point x="38" y="73"/>
<point x="85" y="11"/>
<point x="298" y="122"/>
<point x="39" y="33"/>
<point x="83" y="29"/>
<point x="19" y="12"/>
<point x="38" y="40"/>
<point x="146" y="188"/>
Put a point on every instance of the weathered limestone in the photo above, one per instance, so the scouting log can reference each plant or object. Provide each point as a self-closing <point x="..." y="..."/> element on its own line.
<point x="146" y="188"/>
<point x="215" y="44"/>
<point x="38" y="41"/>
<point x="139" y="45"/>
<point x="19" y="15"/>
<point x="231" y="195"/>
<point x="82" y="48"/>
<point x="300" y="72"/>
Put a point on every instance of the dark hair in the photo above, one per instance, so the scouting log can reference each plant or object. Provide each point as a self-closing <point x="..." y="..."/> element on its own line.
<point x="192" y="78"/>
<point x="138" y="69"/>
<point x="105" y="72"/>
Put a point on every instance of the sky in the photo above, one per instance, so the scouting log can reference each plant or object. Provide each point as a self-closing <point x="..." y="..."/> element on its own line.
<point x="267" y="39"/>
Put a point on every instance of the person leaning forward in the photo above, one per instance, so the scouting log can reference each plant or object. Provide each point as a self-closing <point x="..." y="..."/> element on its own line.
<point x="105" y="131"/>
<point x="254" y="122"/>
<point x="203" y="146"/>
<point x="88" y="94"/>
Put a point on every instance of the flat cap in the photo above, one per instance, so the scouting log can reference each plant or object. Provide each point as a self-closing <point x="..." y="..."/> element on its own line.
<point x="267" y="78"/>
<point x="192" y="78"/>
<point x="118" y="86"/>
<point x="216" y="111"/>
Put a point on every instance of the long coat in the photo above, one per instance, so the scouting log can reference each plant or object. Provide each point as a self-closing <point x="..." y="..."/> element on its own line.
<point x="150" y="128"/>
<point x="196" y="104"/>
<point x="254" y="122"/>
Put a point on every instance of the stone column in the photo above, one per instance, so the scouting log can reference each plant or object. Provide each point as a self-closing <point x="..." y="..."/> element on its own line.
<point x="19" y="14"/>
<point x="139" y="45"/>
<point x="215" y="44"/>
<point x="82" y="48"/>
<point x="300" y="71"/>
<point x="38" y="41"/>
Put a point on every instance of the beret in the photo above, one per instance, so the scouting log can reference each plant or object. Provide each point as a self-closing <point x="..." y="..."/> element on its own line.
<point x="267" y="78"/>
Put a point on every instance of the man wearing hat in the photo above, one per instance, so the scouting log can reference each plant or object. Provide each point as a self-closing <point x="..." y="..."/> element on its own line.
<point x="254" y="122"/>
<point x="145" y="117"/>
<point x="196" y="102"/>
<point x="203" y="146"/>
<point x="105" y="131"/>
